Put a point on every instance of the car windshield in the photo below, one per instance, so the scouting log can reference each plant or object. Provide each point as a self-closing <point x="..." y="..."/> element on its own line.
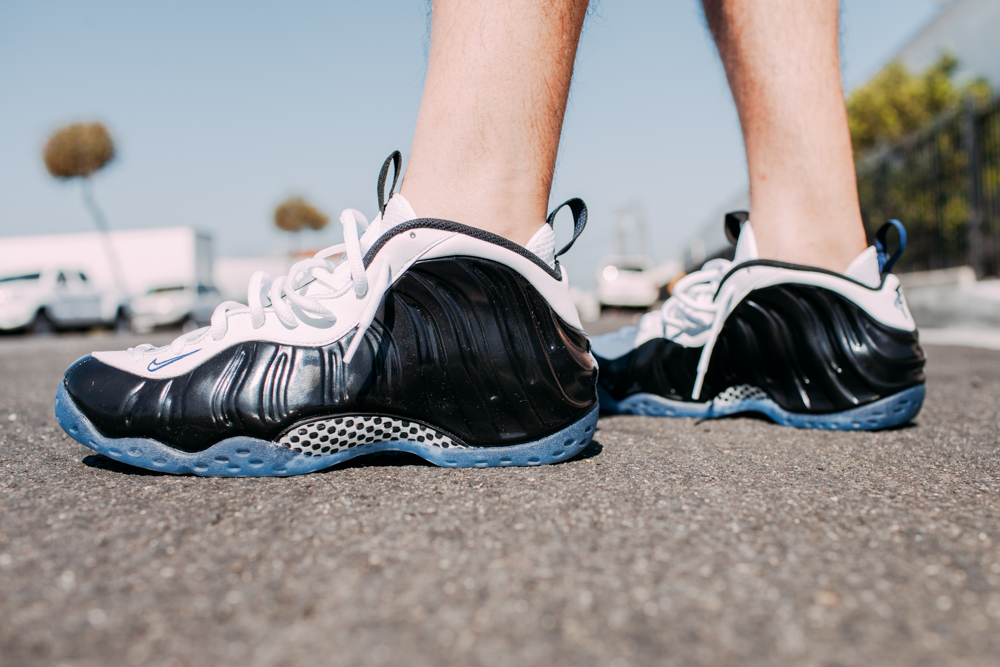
<point x="166" y="290"/>
<point x="30" y="276"/>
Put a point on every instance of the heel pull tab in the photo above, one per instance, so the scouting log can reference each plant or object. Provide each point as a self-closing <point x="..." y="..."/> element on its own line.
<point x="579" y="210"/>
<point x="734" y="222"/>
<point x="885" y="261"/>
<point x="396" y="159"/>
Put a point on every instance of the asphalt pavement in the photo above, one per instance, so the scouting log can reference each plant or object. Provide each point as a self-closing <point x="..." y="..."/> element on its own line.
<point x="666" y="542"/>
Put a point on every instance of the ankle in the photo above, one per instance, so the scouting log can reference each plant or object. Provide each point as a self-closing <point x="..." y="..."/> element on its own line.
<point x="824" y="248"/>
<point x="823" y="230"/>
<point x="504" y="204"/>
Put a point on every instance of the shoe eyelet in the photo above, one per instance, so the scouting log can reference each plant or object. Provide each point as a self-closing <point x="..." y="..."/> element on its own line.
<point x="413" y="235"/>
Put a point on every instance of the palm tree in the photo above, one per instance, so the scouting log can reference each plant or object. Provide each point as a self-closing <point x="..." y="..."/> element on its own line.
<point x="80" y="151"/>
<point x="295" y="214"/>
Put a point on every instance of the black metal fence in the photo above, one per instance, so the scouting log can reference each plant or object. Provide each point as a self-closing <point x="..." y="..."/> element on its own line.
<point x="943" y="183"/>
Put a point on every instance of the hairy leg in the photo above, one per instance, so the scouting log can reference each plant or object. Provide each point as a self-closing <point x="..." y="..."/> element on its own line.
<point x="781" y="58"/>
<point x="488" y="130"/>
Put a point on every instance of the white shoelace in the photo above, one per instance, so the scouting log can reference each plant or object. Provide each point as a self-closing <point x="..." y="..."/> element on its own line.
<point x="284" y="292"/>
<point x="693" y="308"/>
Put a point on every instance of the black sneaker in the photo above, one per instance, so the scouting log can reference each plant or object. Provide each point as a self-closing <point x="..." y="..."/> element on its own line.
<point x="428" y="337"/>
<point x="801" y="345"/>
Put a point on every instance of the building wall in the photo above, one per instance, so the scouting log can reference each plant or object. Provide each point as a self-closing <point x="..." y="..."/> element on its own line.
<point x="970" y="30"/>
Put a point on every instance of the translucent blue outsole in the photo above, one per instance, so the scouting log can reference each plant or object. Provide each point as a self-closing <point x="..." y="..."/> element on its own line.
<point x="883" y="413"/>
<point x="244" y="456"/>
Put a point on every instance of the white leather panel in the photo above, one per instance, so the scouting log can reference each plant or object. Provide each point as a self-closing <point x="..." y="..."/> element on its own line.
<point x="401" y="251"/>
<point x="887" y="305"/>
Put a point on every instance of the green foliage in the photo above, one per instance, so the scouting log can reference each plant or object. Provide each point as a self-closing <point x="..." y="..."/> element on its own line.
<point x="896" y="103"/>
<point x="921" y="171"/>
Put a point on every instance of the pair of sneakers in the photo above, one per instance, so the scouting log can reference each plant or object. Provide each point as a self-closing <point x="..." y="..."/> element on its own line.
<point x="428" y="336"/>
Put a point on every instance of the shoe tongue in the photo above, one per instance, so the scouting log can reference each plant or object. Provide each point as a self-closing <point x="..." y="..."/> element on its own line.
<point x="397" y="211"/>
<point x="865" y="269"/>
<point x="746" y="246"/>
<point x="543" y="244"/>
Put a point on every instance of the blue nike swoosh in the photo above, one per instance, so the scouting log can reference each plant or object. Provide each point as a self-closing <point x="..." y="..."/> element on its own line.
<point x="155" y="365"/>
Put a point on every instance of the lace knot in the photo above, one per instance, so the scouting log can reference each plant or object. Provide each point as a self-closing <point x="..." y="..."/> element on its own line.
<point x="307" y="285"/>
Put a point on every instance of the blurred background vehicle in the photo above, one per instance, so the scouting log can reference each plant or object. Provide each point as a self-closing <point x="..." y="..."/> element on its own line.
<point x="632" y="279"/>
<point x="48" y="300"/>
<point x="626" y="282"/>
<point x="187" y="306"/>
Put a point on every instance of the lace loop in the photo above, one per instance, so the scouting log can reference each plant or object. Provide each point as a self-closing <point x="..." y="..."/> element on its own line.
<point x="396" y="160"/>
<point x="220" y="319"/>
<point x="258" y="282"/>
<point x="579" y="211"/>
<point x="349" y="219"/>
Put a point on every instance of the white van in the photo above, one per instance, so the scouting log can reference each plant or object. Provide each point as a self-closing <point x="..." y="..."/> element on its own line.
<point x="47" y="300"/>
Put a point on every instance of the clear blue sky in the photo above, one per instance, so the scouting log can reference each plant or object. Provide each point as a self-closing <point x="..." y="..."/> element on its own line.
<point x="220" y="110"/>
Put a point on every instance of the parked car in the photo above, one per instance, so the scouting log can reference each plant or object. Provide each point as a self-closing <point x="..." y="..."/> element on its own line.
<point x="627" y="281"/>
<point x="54" y="299"/>
<point x="187" y="306"/>
<point x="633" y="281"/>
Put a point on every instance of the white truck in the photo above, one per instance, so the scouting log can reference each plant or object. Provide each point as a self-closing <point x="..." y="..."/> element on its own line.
<point x="61" y="281"/>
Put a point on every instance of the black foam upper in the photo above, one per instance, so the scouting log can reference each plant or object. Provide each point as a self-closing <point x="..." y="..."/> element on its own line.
<point x="465" y="345"/>
<point x="811" y="349"/>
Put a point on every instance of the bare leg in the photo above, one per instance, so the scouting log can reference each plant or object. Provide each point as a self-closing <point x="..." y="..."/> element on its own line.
<point x="492" y="110"/>
<point x="782" y="62"/>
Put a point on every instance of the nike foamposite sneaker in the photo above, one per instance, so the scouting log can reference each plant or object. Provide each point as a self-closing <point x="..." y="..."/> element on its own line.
<point x="804" y="346"/>
<point x="428" y="337"/>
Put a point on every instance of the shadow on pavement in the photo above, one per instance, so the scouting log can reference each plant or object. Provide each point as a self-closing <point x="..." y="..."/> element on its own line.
<point x="380" y="460"/>
<point x="588" y="452"/>
<point x="102" y="462"/>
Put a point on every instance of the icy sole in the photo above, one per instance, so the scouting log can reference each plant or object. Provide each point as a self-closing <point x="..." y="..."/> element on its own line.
<point x="244" y="456"/>
<point x="883" y="413"/>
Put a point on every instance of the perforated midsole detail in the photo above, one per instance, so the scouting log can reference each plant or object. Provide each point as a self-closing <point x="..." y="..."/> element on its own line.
<point x="336" y="434"/>
<point x="741" y="392"/>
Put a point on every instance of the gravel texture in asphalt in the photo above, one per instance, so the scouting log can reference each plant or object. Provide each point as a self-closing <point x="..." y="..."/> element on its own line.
<point x="673" y="542"/>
